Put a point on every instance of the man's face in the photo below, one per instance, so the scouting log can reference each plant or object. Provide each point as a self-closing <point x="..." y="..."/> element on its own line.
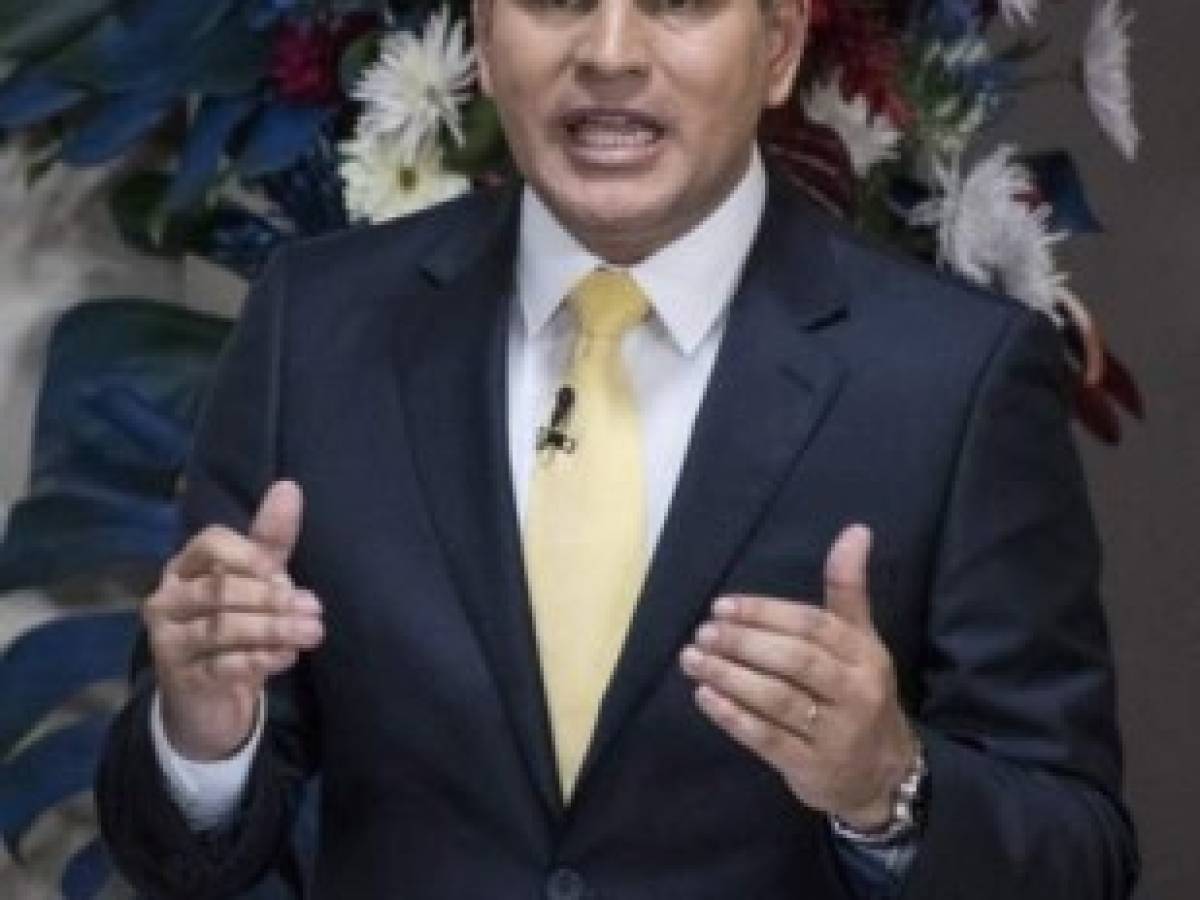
<point x="634" y="118"/>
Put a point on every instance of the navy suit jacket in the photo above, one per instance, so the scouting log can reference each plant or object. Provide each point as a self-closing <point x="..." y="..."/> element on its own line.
<point x="852" y="385"/>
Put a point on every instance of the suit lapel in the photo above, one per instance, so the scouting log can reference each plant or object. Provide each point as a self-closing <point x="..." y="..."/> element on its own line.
<point x="455" y="395"/>
<point x="770" y="386"/>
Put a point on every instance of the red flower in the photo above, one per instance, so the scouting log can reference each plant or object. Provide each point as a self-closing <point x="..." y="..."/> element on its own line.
<point x="305" y="56"/>
<point x="858" y="40"/>
<point x="818" y="12"/>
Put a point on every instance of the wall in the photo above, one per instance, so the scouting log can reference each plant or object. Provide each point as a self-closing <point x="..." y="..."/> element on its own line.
<point x="1142" y="279"/>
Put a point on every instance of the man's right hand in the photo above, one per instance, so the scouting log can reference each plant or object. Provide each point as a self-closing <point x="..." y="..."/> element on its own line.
<point x="224" y="617"/>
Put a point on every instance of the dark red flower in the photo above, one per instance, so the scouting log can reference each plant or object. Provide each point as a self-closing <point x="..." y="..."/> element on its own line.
<point x="859" y="40"/>
<point x="304" y="62"/>
<point x="818" y="13"/>
<point x="305" y="56"/>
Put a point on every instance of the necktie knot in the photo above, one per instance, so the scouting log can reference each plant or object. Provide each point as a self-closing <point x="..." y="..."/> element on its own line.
<point x="608" y="302"/>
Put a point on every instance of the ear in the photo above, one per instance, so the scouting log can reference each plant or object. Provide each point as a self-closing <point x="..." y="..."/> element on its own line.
<point x="787" y="37"/>
<point x="481" y="16"/>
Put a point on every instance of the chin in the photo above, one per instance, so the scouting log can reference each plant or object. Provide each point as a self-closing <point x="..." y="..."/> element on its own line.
<point x="628" y="229"/>
<point x="634" y="207"/>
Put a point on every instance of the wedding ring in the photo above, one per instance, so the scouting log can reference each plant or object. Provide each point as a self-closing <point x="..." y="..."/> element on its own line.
<point x="810" y="718"/>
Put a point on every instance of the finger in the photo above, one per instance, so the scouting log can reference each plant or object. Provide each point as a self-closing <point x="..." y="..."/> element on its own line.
<point x="181" y="601"/>
<point x="226" y="592"/>
<point x="187" y="625"/>
<point x="794" y="660"/>
<point x="229" y="632"/>
<point x="219" y="547"/>
<point x="776" y="746"/>
<point x="249" y="666"/>
<point x="769" y="697"/>
<point x="793" y="618"/>
<point x="847" y="593"/>
<point x="276" y="525"/>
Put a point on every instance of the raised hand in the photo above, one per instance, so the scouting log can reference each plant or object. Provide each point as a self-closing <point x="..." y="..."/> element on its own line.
<point x="224" y="617"/>
<point x="810" y="690"/>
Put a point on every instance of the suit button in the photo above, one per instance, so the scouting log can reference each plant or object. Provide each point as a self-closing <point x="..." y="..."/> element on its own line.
<point x="565" y="884"/>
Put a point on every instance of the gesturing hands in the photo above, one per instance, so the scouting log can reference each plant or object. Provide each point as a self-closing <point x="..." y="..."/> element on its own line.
<point x="224" y="617"/>
<point x="811" y="691"/>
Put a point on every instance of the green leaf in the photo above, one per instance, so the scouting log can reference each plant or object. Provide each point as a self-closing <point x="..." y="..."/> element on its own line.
<point x="88" y="61"/>
<point x="48" y="664"/>
<point x="138" y="206"/>
<point x="167" y="43"/>
<point x="483" y="140"/>
<point x="83" y="530"/>
<point x="38" y="168"/>
<point x="114" y="126"/>
<point x="31" y="28"/>
<point x="359" y="53"/>
<point x="48" y="771"/>
<point x="231" y="59"/>
<point x="41" y="149"/>
<point x="135" y="202"/>
<point x="279" y="136"/>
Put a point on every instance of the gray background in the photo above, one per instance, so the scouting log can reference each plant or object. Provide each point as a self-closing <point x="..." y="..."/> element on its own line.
<point x="1140" y="279"/>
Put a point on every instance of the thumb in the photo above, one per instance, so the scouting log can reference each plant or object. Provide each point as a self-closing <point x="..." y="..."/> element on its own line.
<point x="847" y="592"/>
<point x="276" y="525"/>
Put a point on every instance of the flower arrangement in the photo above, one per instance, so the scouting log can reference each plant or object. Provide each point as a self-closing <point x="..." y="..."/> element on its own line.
<point x="347" y="110"/>
<point x="393" y="165"/>
<point x="360" y="110"/>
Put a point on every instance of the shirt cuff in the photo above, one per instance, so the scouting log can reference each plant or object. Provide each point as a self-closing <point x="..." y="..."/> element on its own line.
<point x="207" y="793"/>
<point x="875" y="871"/>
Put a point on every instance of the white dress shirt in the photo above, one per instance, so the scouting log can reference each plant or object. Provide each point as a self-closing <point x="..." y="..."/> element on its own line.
<point x="668" y="358"/>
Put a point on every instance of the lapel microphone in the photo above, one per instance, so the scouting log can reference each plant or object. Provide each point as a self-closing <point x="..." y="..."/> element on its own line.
<point x="553" y="437"/>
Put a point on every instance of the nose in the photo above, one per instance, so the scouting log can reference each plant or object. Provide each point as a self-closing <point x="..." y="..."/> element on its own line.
<point x="613" y="40"/>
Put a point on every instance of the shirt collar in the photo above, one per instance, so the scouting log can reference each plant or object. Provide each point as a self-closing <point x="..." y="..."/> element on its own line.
<point x="690" y="281"/>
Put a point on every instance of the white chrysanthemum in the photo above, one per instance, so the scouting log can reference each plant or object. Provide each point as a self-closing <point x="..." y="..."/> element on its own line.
<point x="989" y="234"/>
<point x="1106" y="77"/>
<point x="382" y="180"/>
<point x="1019" y="12"/>
<point x="869" y="139"/>
<point x="417" y="84"/>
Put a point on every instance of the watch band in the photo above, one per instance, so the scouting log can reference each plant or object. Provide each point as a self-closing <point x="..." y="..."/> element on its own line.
<point x="907" y="809"/>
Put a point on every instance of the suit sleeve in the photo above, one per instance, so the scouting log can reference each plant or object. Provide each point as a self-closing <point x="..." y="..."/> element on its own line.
<point x="1018" y="697"/>
<point x="234" y="459"/>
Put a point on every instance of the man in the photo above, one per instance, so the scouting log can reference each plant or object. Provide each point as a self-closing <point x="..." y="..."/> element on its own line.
<point x="792" y="592"/>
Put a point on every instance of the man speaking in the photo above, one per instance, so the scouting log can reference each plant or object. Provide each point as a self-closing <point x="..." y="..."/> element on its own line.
<point x="636" y="532"/>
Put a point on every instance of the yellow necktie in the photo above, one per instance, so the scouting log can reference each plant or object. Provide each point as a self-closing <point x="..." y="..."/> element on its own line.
<point x="585" y="533"/>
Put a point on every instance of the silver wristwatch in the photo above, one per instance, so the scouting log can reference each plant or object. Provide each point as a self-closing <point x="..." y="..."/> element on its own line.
<point x="907" y="809"/>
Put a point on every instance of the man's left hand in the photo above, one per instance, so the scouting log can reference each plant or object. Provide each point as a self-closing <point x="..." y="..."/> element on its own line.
<point x="810" y="690"/>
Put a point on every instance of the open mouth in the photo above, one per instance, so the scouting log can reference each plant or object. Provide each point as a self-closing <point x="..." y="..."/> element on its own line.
<point x="612" y="135"/>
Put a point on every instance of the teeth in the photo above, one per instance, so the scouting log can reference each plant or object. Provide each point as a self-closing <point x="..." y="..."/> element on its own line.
<point x="613" y="131"/>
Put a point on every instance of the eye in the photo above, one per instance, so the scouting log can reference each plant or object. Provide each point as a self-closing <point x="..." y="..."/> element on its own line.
<point x="677" y="8"/>
<point x="560" y="7"/>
